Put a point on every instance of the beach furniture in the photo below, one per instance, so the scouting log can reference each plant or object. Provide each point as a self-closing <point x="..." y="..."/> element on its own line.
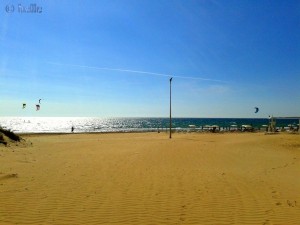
<point x="247" y="128"/>
<point x="233" y="127"/>
<point x="192" y="128"/>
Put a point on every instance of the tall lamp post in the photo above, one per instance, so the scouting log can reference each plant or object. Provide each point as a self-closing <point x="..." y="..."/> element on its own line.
<point x="171" y="107"/>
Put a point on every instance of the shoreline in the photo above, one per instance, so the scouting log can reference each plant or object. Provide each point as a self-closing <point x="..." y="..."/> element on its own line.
<point x="174" y="131"/>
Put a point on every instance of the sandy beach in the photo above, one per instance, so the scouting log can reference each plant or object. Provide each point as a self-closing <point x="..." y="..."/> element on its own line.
<point x="147" y="178"/>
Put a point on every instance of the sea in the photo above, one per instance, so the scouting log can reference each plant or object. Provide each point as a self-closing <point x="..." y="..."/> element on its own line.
<point x="107" y="125"/>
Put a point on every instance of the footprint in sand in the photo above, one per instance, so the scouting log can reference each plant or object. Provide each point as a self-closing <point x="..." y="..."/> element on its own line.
<point x="12" y="175"/>
<point x="275" y="194"/>
<point x="291" y="203"/>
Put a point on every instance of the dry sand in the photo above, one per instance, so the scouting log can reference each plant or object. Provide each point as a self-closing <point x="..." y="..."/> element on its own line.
<point x="240" y="178"/>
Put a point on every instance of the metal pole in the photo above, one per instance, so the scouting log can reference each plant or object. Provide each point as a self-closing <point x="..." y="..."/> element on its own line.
<point x="171" y="107"/>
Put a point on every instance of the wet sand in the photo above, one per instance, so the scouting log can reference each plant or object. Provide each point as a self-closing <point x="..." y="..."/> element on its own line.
<point x="147" y="178"/>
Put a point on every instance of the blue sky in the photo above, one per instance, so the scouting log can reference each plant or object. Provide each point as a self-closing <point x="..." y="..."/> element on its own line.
<point x="227" y="57"/>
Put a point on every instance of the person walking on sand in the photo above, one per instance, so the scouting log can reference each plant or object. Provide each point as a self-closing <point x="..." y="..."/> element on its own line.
<point x="72" y="129"/>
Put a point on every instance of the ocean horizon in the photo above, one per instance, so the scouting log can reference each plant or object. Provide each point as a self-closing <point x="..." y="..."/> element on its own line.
<point x="129" y="124"/>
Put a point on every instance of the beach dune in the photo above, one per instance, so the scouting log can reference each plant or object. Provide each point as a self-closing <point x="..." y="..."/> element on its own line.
<point x="147" y="178"/>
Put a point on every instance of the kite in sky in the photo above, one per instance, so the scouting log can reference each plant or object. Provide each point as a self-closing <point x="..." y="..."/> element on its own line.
<point x="37" y="105"/>
<point x="256" y="109"/>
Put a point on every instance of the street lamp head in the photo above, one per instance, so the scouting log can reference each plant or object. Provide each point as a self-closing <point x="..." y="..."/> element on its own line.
<point x="171" y="79"/>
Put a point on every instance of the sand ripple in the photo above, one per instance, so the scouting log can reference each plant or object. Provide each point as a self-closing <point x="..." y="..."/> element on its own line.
<point x="148" y="179"/>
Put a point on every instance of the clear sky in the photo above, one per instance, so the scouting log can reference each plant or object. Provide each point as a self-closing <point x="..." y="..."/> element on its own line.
<point x="227" y="57"/>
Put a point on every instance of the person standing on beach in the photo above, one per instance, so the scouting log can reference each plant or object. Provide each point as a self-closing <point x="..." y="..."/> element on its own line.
<point x="72" y="129"/>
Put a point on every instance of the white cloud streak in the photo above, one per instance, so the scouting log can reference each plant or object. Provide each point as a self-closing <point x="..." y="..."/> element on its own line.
<point x="136" y="71"/>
